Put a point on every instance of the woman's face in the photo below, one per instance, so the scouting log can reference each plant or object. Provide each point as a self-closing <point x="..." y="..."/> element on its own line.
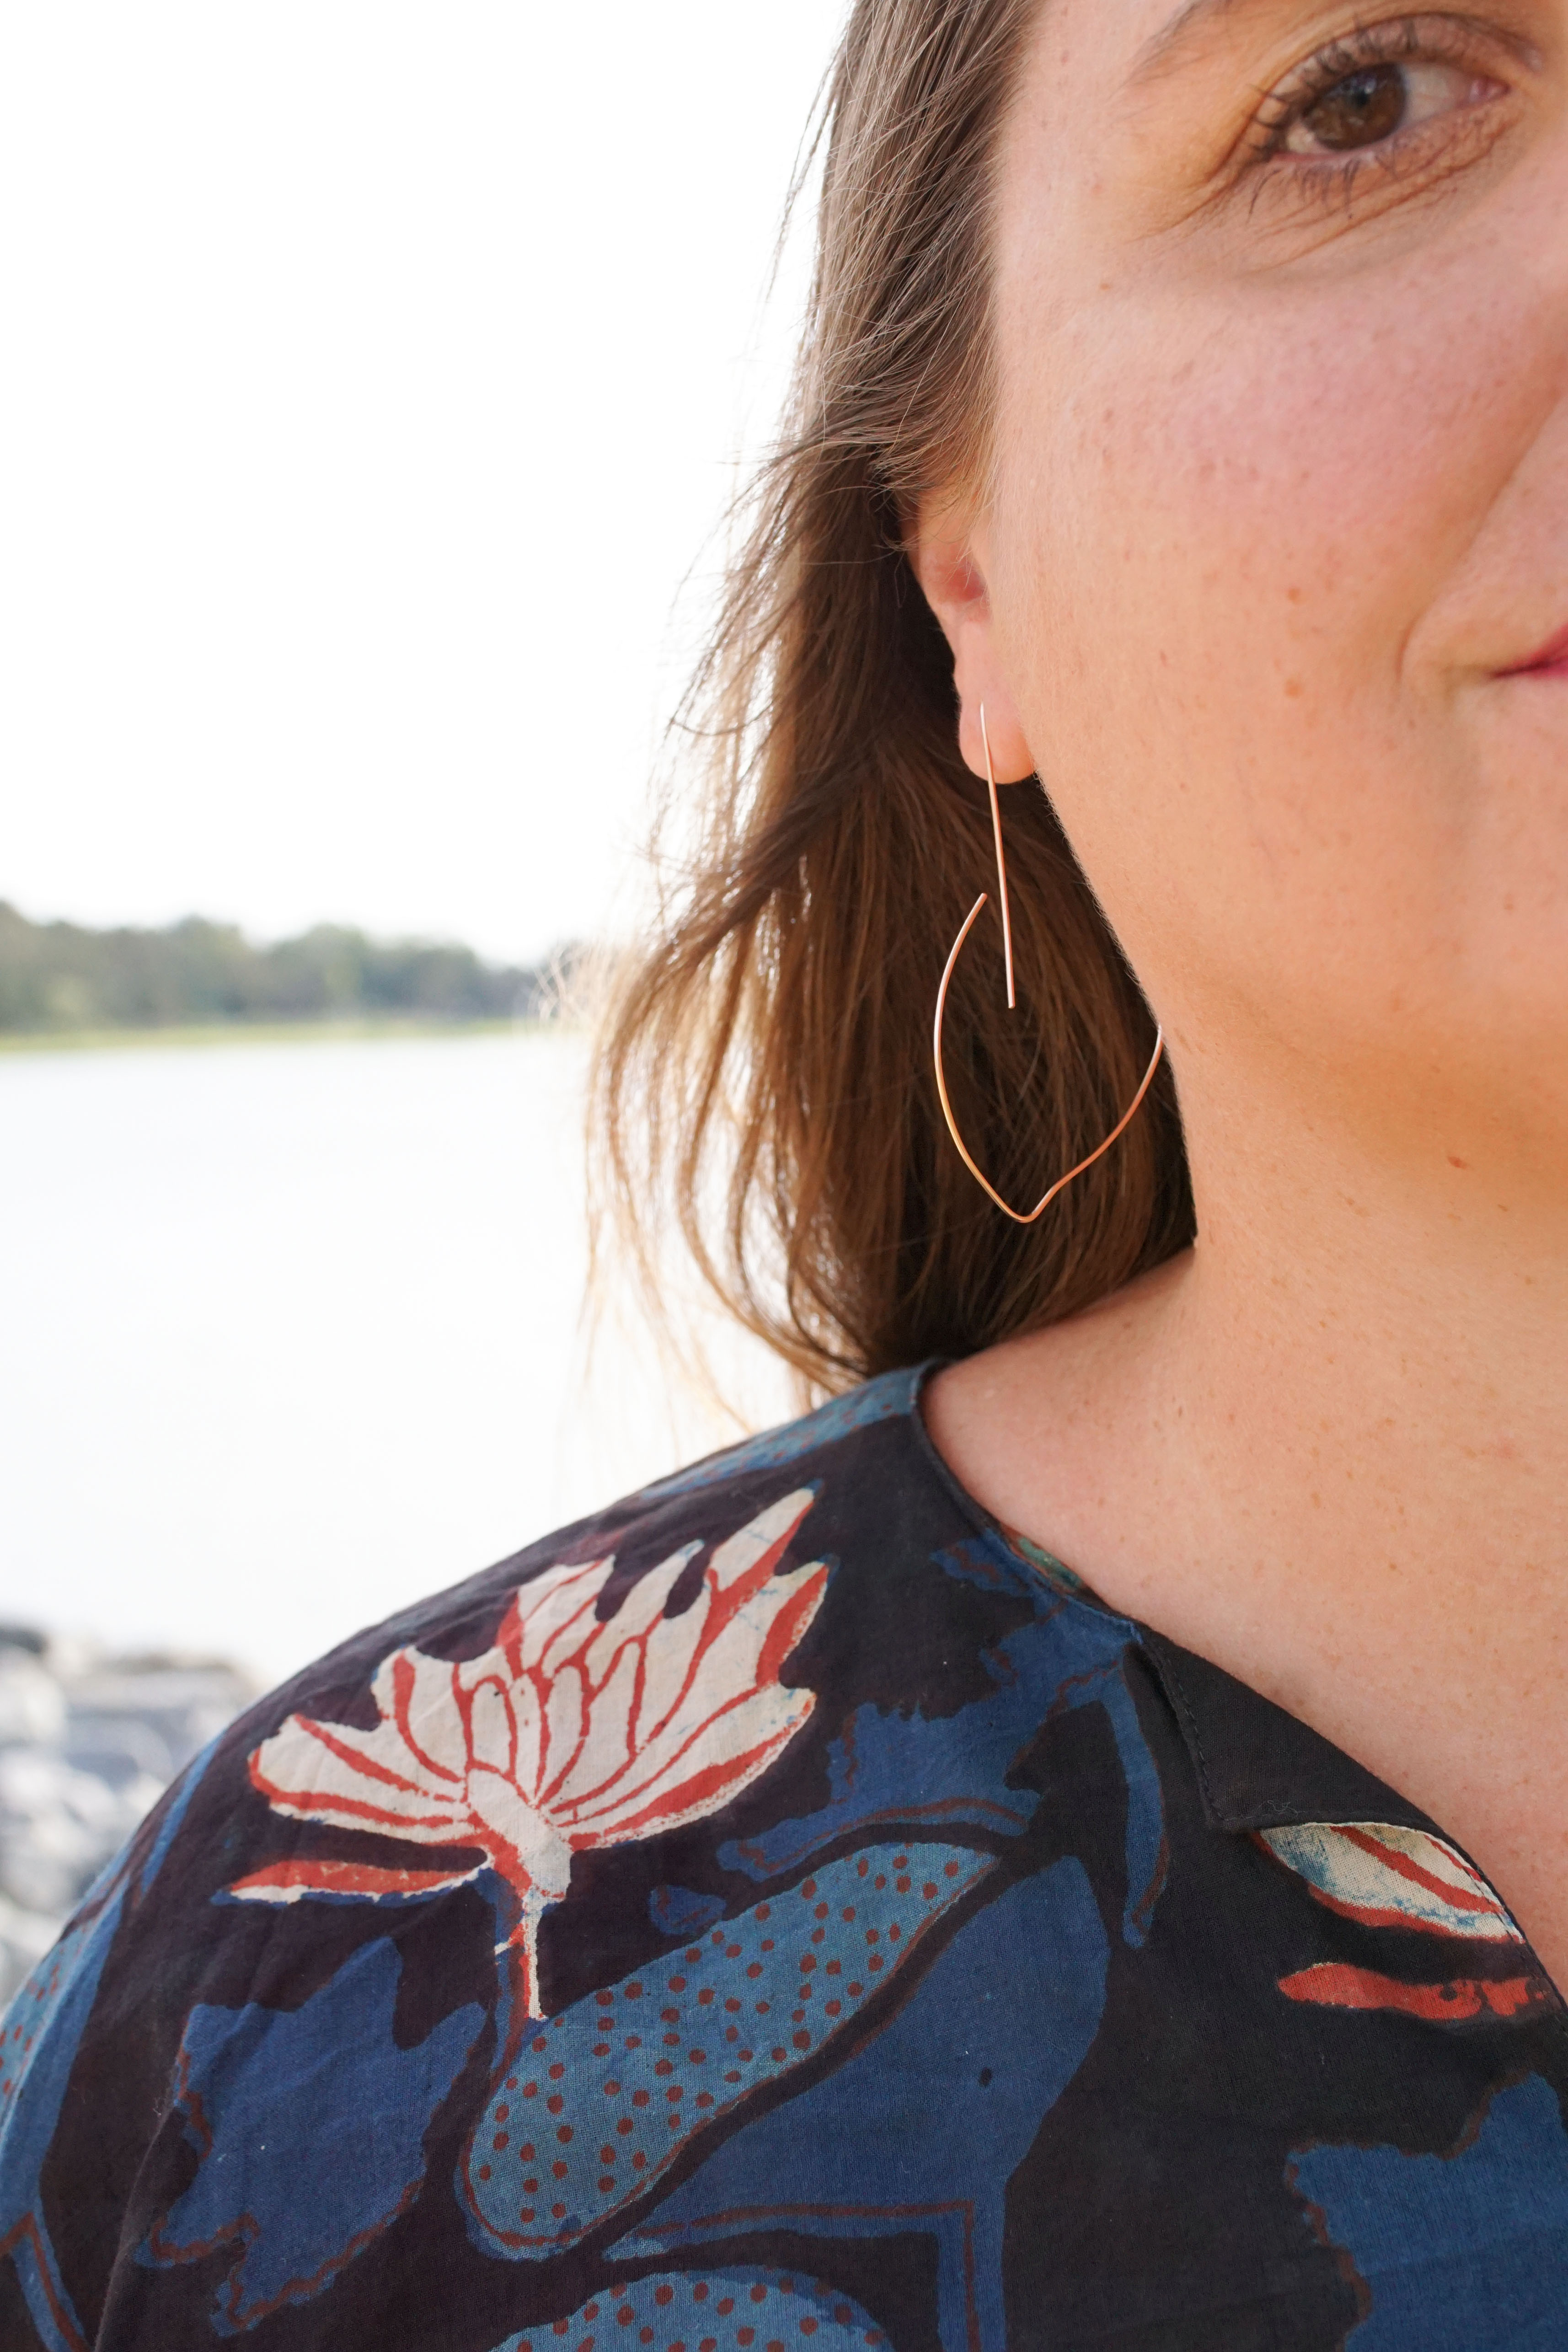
<point x="1281" y="526"/>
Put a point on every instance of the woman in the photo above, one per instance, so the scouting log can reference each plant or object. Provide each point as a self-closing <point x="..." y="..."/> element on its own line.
<point x="798" y="1904"/>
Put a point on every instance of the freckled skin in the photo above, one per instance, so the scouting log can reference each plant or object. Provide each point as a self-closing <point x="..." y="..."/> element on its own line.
<point x="1321" y="418"/>
<point x="1280" y="501"/>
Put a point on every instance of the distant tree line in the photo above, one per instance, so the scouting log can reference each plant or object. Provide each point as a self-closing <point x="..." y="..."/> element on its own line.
<point x="59" y="976"/>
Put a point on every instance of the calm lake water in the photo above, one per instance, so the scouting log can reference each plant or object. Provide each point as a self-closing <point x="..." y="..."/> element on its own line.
<point x="290" y="1333"/>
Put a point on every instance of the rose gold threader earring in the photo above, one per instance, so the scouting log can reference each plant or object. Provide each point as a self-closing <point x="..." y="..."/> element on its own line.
<point x="1017" y="1216"/>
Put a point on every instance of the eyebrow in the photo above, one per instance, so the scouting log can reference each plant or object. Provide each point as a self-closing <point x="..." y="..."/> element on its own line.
<point x="1163" y="50"/>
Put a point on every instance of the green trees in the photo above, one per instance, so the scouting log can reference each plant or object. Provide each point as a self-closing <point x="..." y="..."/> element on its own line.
<point x="62" y="976"/>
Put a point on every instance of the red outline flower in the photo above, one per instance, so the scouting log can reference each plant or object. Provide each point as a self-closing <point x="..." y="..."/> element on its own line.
<point x="572" y="1733"/>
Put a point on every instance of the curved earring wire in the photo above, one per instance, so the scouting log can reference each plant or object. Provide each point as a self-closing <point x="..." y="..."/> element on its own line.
<point x="1040" y="1206"/>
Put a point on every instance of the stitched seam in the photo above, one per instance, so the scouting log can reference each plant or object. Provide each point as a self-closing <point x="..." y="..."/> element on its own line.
<point x="1190" y="1723"/>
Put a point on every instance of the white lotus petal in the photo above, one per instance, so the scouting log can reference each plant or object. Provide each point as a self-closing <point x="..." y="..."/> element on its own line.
<point x="669" y="1657"/>
<point x="643" y="1604"/>
<point x="512" y="1822"/>
<point x="529" y="1721"/>
<point x="415" y="1695"/>
<point x="1389" y="1876"/>
<point x="493" y="1727"/>
<point x="345" y="1882"/>
<point x="730" y="1663"/>
<point x="747" y="1718"/>
<point x="565" y="1726"/>
<point x="553" y="1603"/>
<point x="742" y="1550"/>
<point x="741" y="1768"/>
<point x="735" y="1748"/>
<point x="331" y="1772"/>
<point x="608" y="1749"/>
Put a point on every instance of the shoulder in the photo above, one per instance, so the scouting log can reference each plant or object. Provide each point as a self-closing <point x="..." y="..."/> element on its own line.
<point x="631" y="1673"/>
<point x="769" y="1649"/>
<point x="804" y="1664"/>
<point x="768" y="1496"/>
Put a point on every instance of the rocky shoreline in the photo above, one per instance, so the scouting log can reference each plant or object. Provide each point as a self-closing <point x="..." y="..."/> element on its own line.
<point x="89" y="1741"/>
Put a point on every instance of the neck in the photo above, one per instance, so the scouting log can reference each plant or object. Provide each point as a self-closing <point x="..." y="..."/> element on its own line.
<point x="1327" y="1450"/>
<point x="1374" y="1343"/>
<point x="1332" y="1430"/>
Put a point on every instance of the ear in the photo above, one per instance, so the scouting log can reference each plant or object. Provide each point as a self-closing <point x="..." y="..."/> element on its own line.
<point x="948" y="565"/>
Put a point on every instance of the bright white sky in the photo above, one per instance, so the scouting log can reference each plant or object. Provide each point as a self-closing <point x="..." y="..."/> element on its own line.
<point x="373" y="376"/>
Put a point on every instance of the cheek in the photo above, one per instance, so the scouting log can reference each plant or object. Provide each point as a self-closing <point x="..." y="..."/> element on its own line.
<point x="1228" y="529"/>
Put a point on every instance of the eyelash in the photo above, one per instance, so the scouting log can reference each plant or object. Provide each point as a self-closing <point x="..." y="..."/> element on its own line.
<point x="1405" y="40"/>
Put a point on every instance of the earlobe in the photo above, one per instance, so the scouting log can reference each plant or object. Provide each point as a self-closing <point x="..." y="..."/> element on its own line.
<point x="951" y="574"/>
<point x="985" y="691"/>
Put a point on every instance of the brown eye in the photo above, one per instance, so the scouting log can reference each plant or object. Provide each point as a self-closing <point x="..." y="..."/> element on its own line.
<point x="1365" y="108"/>
<point x="1358" y="112"/>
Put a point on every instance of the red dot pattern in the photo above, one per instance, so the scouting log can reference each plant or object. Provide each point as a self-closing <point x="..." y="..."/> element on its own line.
<point x="728" y="2311"/>
<point x="761" y="1995"/>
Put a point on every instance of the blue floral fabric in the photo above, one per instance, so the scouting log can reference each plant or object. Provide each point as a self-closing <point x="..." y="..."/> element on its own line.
<point x="782" y="1911"/>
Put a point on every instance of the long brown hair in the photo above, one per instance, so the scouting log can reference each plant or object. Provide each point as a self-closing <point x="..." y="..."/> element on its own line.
<point x="764" y="1076"/>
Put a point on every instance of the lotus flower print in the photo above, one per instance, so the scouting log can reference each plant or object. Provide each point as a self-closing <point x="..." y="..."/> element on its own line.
<point x="573" y="1732"/>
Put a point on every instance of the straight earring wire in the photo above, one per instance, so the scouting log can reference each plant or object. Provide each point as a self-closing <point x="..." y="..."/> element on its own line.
<point x="1001" y="860"/>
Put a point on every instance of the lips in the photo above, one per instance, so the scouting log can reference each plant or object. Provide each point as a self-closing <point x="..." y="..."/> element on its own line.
<point x="1549" y="658"/>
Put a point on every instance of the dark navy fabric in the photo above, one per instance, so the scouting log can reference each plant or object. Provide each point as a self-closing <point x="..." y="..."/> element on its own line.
<point x="783" y="1911"/>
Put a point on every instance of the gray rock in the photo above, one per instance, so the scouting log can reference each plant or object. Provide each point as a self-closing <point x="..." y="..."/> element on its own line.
<point x="88" y="1744"/>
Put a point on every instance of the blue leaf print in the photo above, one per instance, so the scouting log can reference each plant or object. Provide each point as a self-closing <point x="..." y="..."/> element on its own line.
<point x="242" y="2079"/>
<point x="1453" y="2251"/>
